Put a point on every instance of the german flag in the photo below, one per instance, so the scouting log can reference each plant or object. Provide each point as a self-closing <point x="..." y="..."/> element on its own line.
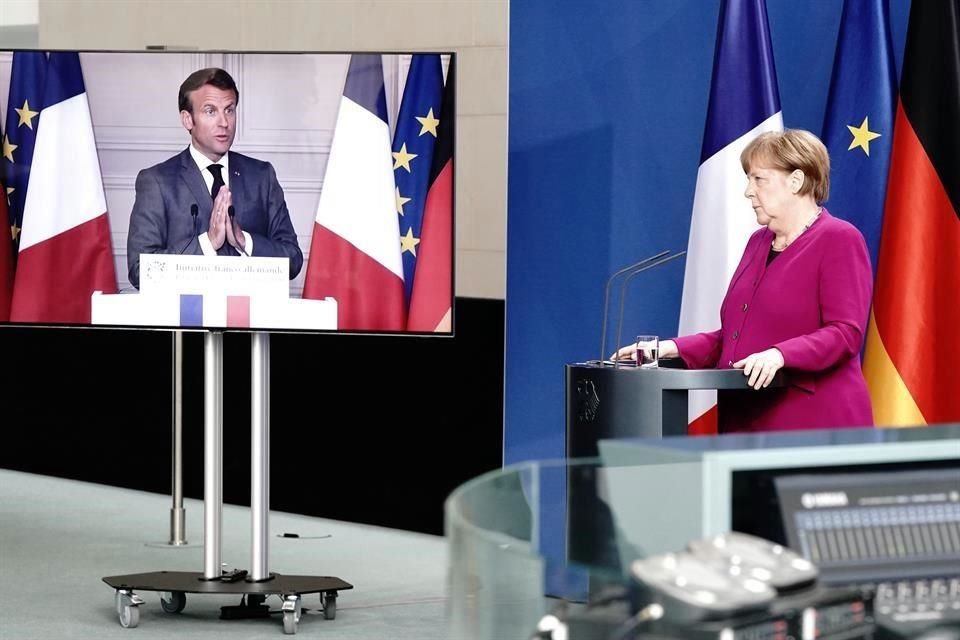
<point x="912" y="361"/>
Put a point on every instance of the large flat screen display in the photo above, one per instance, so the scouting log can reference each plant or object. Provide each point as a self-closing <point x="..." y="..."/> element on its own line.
<point x="228" y="191"/>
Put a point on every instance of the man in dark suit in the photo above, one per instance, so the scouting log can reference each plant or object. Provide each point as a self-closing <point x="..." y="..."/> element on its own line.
<point x="207" y="199"/>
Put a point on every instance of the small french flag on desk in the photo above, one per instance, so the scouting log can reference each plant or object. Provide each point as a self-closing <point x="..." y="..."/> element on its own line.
<point x="191" y="310"/>
<point x="238" y="311"/>
<point x="237" y="307"/>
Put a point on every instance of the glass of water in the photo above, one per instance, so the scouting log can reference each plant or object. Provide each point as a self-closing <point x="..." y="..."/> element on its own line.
<point x="648" y="350"/>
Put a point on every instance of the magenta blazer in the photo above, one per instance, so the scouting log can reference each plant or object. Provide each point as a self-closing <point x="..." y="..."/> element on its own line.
<point x="811" y="303"/>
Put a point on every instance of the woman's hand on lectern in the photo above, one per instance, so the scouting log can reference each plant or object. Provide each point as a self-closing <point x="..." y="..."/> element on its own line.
<point x="668" y="349"/>
<point x="761" y="367"/>
<point x="628" y="352"/>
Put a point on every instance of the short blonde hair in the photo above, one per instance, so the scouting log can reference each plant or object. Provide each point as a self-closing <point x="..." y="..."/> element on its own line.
<point x="788" y="151"/>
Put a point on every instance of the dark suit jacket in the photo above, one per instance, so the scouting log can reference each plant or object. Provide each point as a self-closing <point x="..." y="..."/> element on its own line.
<point x="161" y="220"/>
<point x="811" y="303"/>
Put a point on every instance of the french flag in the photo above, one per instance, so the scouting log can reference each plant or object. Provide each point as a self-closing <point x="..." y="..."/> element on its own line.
<point x="744" y="102"/>
<point x="355" y="251"/>
<point x="65" y="251"/>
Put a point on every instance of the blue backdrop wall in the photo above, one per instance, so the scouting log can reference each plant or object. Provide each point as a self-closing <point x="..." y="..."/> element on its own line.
<point x="607" y="107"/>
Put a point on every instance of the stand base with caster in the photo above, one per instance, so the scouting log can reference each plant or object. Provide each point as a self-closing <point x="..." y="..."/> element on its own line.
<point x="174" y="585"/>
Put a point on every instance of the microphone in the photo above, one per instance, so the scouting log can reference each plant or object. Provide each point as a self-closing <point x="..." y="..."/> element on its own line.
<point x="194" y="213"/>
<point x="606" y="299"/>
<point x="233" y="212"/>
<point x="626" y="281"/>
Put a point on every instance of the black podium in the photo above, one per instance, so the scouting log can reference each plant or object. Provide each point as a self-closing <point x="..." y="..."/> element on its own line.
<point x="606" y="401"/>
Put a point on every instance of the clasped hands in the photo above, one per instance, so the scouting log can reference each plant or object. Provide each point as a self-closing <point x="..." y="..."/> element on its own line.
<point x="223" y="228"/>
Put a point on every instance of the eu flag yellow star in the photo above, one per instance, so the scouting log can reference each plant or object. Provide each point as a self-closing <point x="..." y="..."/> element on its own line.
<point x="400" y="200"/>
<point x="402" y="158"/>
<point x="8" y="148"/>
<point x="428" y="124"/>
<point x="26" y="115"/>
<point x="862" y="136"/>
<point x="409" y="243"/>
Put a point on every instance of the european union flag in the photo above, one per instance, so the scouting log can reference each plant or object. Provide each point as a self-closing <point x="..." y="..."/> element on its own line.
<point x="28" y="78"/>
<point x="413" y="142"/>
<point x="858" y="126"/>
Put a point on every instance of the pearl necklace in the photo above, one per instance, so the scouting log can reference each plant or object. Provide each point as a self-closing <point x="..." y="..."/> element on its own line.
<point x="773" y="243"/>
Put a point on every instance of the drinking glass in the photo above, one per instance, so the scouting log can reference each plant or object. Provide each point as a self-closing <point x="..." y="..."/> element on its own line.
<point x="648" y="350"/>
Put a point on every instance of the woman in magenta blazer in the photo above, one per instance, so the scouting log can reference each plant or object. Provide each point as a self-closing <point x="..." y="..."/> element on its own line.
<point x="798" y="300"/>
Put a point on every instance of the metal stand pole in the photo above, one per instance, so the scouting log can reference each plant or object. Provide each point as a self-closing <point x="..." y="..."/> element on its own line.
<point x="178" y="515"/>
<point x="259" y="455"/>
<point x="212" y="452"/>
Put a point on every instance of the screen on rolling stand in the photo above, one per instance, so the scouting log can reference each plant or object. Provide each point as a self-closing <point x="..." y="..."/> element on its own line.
<point x="334" y="173"/>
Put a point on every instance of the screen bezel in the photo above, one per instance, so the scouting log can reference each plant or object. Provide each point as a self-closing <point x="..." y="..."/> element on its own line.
<point x="176" y="50"/>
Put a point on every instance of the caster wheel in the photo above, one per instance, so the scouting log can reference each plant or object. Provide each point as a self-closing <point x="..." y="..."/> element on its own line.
<point x="127" y="605"/>
<point x="129" y="616"/>
<point x="291" y="613"/>
<point x="330" y="606"/>
<point x="289" y="622"/>
<point x="173" y="601"/>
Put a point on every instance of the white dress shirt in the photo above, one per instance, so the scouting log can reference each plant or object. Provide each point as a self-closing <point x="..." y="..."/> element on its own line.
<point x="202" y="163"/>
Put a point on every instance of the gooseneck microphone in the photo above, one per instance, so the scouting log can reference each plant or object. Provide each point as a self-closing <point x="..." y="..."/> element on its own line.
<point x="626" y="281"/>
<point x="232" y="213"/>
<point x="194" y="213"/>
<point x="606" y="299"/>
